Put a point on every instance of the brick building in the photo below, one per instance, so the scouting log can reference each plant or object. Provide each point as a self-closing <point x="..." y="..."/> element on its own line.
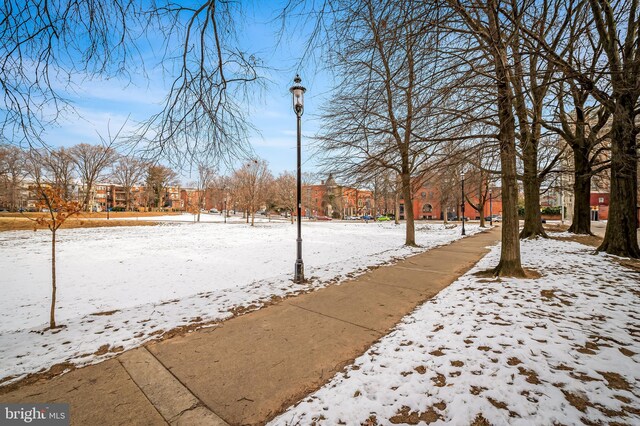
<point x="333" y="200"/>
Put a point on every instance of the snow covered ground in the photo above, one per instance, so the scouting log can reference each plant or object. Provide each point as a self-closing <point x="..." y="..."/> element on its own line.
<point x="561" y="349"/>
<point x="119" y="287"/>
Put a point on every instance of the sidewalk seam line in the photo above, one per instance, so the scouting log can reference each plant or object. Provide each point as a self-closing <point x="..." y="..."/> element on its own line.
<point x="200" y="402"/>
<point x="184" y="385"/>
<point x="142" y="391"/>
<point x="337" y="319"/>
<point x="368" y="280"/>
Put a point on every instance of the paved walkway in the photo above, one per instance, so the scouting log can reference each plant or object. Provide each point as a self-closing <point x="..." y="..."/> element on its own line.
<point x="599" y="229"/>
<point x="250" y="368"/>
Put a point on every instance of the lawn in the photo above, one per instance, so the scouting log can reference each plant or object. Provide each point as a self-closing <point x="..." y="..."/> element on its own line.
<point x="119" y="287"/>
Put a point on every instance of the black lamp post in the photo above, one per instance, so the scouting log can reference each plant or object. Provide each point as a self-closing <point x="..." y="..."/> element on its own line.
<point x="462" y="204"/>
<point x="490" y="208"/>
<point x="297" y="90"/>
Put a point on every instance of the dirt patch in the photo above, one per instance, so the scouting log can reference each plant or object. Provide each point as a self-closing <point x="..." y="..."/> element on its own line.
<point x="457" y="363"/>
<point x="633" y="264"/>
<point x="548" y="294"/>
<point x="513" y="361"/>
<point x="408" y="417"/>
<point x="437" y="352"/>
<point x="563" y="367"/>
<point x="440" y="381"/>
<point x="490" y="273"/>
<point x="371" y="421"/>
<point x="584" y="377"/>
<point x="531" y="375"/>
<point x="477" y="390"/>
<point x="555" y="227"/>
<point x="586" y="350"/>
<point x="587" y="240"/>
<point x="480" y="421"/>
<point x="626" y="352"/>
<point x="53" y="371"/>
<point x="579" y="402"/>
<point x="421" y="369"/>
<point x="615" y="381"/>
<point x="105" y="313"/>
<point x="102" y="350"/>
<point x="498" y="404"/>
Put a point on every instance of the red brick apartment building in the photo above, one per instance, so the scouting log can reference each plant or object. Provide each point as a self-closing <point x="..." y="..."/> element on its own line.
<point x="333" y="200"/>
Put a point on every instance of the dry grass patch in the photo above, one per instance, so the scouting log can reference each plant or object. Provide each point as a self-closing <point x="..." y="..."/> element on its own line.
<point x="490" y="273"/>
<point x="408" y="417"/>
<point x="24" y="224"/>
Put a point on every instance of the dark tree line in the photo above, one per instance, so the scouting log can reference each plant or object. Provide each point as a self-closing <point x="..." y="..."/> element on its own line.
<point x="504" y="77"/>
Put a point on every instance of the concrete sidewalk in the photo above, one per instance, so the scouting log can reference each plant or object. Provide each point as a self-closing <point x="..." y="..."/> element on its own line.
<point x="249" y="368"/>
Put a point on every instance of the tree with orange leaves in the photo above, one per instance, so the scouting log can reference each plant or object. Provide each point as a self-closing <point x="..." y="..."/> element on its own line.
<point x="58" y="210"/>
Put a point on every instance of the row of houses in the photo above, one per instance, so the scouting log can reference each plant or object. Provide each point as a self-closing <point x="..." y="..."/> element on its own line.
<point x="325" y="199"/>
<point x="103" y="196"/>
<point x="333" y="200"/>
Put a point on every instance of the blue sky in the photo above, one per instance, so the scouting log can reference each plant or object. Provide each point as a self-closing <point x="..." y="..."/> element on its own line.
<point x="105" y="105"/>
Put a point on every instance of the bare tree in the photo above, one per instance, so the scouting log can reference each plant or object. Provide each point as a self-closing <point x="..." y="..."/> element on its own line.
<point x="477" y="191"/>
<point x="382" y="115"/>
<point x="251" y="184"/>
<point x="617" y="26"/>
<point x="91" y="162"/>
<point x="129" y="172"/>
<point x="285" y="193"/>
<point x="204" y="112"/>
<point x="12" y="174"/>
<point x="485" y="22"/>
<point x="532" y="77"/>
<point x="49" y="46"/>
<point x="58" y="167"/>
<point x="583" y="130"/>
<point x="206" y="177"/>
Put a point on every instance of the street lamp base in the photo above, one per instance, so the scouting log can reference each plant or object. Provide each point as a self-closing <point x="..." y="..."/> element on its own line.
<point x="298" y="277"/>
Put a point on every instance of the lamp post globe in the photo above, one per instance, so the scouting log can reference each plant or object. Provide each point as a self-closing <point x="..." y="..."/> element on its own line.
<point x="297" y="92"/>
<point x="462" y="203"/>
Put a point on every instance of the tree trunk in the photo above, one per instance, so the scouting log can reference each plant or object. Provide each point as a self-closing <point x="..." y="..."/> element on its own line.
<point x="531" y="183"/>
<point x="410" y="239"/>
<point x="581" y="223"/>
<point x="621" y="236"/>
<point x="52" y="313"/>
<point x="510" y="264"/>
<point x="396" y="218"/>
<point x="532" y="216"/>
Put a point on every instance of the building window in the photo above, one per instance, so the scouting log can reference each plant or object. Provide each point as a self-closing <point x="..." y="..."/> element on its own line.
<point x="601" y="200"/>
<point x="427" y="208"/>
<point x="423" y="195"/>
